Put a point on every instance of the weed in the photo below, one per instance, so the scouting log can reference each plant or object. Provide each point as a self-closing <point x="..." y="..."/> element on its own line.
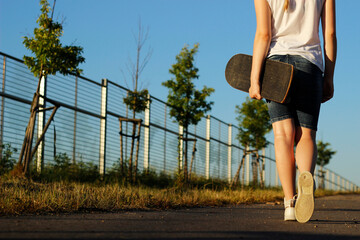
<point x="7" y="163"/>
<point x="65" y="169"/>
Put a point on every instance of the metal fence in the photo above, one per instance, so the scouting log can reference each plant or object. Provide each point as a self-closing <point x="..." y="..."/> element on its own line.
<point x="86" y="128"/>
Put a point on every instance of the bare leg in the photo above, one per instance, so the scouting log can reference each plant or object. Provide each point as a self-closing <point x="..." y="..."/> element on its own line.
<point x="284" y="134"/>
<point x="306" y="150"/>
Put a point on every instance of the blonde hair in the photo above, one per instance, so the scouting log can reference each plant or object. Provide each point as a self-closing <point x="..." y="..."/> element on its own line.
<point x="286" y="5"/>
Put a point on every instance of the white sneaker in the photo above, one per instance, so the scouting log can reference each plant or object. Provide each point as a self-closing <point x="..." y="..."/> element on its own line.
<point x="289" y="205"/>
<point x="304" y="206"/>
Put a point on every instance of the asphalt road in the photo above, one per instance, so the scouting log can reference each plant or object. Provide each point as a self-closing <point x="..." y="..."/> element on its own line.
<point x="335" y="217"/>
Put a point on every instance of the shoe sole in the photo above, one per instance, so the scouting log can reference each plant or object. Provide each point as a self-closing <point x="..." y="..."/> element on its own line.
<point x="304" y="206"/>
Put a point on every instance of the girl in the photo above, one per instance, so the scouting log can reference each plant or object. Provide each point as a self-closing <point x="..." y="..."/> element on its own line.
<point x="288" y="31"/>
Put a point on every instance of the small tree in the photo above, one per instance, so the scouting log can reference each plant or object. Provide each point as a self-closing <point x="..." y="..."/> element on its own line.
<point x="254" y="124"/>
<point x="324" y="156"/>
<point x="188" y="105"/>
<point x="136" y="100"/>
<point x="50" y="58"/>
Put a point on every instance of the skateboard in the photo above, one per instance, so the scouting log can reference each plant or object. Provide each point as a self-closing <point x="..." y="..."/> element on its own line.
<point x="275" y="80"/>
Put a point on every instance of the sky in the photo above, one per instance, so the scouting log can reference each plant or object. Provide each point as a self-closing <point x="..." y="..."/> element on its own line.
<point x="105" y="29"/>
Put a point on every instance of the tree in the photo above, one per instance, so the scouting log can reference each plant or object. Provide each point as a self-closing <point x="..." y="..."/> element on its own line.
<point x="254" y="124"/>
<point x="324" y="156"/>
<point x="50" y="57"/>
<point x="136" y="100"/>
<point x="188" y="105"/>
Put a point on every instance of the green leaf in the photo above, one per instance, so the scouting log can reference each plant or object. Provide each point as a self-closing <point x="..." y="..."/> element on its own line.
<point x="49" y="54"/>
<point x="324" y="153"/>
<point x="254" y="123"/>
<point x="188" y="104"/>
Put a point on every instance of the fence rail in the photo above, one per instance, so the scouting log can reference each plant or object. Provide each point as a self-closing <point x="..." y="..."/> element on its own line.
<point x="87" y="129"/>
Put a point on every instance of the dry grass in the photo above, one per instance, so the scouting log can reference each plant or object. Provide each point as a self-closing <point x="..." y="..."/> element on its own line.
<point x="28" y="197"/>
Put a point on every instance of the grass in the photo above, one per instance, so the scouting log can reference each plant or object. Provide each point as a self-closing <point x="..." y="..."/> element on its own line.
<point x="19" y="196"/>
<point x="67" y="187"/>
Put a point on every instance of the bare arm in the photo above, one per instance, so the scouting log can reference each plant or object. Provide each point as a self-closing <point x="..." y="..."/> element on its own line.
<point x="328" y="21"/>
<point x="261" y="45"/>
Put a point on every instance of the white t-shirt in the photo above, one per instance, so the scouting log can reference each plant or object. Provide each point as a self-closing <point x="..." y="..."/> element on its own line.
<point x="295" y="31"/>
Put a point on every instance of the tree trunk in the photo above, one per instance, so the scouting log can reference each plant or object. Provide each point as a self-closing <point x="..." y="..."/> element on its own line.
<point x="29" y="138"/>
<point x="254" y="166"/>
<point x="121" y="150"/>
<point x="192" y="159"/>
<point x="236" y="177"/>
<point x="243" y="173"/>
<point x="186" y="157"/>
<point x="262" y="169"/>
<point x="137" y="151"/>
<point x="322" y="182"/>
<point x="25" y="155"/>
<point x="130" y="170"/>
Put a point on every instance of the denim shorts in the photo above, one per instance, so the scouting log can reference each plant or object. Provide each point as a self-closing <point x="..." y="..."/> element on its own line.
<point x="305" y="94"/>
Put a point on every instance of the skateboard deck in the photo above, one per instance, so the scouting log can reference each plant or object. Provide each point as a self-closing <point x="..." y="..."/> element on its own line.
<point x="275" y="80"/>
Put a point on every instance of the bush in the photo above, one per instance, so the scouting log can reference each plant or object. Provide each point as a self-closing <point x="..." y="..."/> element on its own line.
<point x="7" y="163"/>
<point x="65" y="169"/>
<point x="152" y="179"/>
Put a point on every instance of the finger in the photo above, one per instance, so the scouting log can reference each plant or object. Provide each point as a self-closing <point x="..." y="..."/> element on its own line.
<point x="258" y="96"/>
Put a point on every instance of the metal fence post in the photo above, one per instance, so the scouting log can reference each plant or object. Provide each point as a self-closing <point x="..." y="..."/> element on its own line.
<point x="75" y="119"/>
<point x="41" y="124"/>
<point x="247" y="181"/>
<point x="264" y="165"/>
<point x="229" y="152"/>
<point x="147" y="134"/>
<point x="102" y="150"/>
<point x="219" y="151"/>
<point x="181" y="147"/>
<point x="207" y="148"/>
<point x="2" y="108"/>
<point x="165" y="120"/>
<point x="327" y="179"/>
<point x="270" y="167"/>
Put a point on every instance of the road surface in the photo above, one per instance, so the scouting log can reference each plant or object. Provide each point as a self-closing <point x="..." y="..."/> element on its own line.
<point x="335" y="217"/>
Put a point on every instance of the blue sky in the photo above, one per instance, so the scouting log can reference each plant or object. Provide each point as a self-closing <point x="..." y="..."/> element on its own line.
<point x="222" y="28"/>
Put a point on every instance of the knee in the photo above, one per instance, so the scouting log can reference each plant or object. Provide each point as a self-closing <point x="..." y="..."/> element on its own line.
<point x="284" y="131"/>
<point x="304" y="134"/>
<point x="282" y="136"/>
